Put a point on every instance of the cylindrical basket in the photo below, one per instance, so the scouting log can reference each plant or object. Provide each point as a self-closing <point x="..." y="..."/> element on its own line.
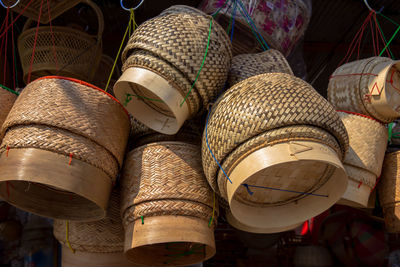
<point x="7" y="100"/>
<point x="369" y="86"/>
<point x="285" y="167"/>
<point x="363" y="161"/>
<point x="389" y="191"/>
<point x="281" y="23"/>
<point x="62" y="136"/>
<point x="174" y="65"/>
<point x="61" y="50"/>
<point x="94" y="244"/>
<point x="168" y="208"/>
<point x="247" y="65"/>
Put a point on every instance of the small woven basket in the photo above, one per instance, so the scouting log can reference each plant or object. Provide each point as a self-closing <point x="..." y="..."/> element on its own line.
<point x="363" y="161"/>
<point x="290" y="130"/>
<point x="161" y="68"/>
<point x="369" y="86"/>
<point x="75" y="53"/>
<point x="247" y="65"/>
<point x="61" y="137"/>
<point x="31" y="11"/>
<point x="389" y="191"/>
<point x="94" y="244"/>
<point x="7" y="100"/>
<point x="167" y="206"/>
<point x="281" y="23"/>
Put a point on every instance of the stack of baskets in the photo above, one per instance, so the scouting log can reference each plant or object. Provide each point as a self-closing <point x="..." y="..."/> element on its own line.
<point x="174" y="65"/>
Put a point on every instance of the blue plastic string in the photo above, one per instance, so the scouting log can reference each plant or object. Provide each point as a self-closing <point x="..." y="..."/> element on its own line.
<point x="278" y="189"/>
<point x="129" y="9"/>
<point x="233" y="21"/>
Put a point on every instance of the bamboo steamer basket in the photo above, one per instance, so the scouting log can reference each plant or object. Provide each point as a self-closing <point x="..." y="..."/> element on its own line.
<point x="281" y="23"/>
<point x="31" y="9"/>
<point x="94" y="244"/>
<point x="77" y="127"/>
<point x="284" y="137"/>
<point x="247" y="65"/>
<point x="364" y="159"/>
<point x="7" y="99"/>
<point x="167" y="206"/>
<point x="75" y="53"/>
<point x="162" y="62"/>
<point x="368" y="86"/>
<point x="389" y="193"/>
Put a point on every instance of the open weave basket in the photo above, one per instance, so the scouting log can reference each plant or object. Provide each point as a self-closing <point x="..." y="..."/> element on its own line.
<point x="369" y="86"/>
<point x="172" y="46"/>
<point x="389" y="191"/>
<point x="79" y="126"/>
<point x="166" y="199"/>
<point x="31" y="11"/>
<point x="7" y="100"/>
<point x="61" y="50"/>
<point x="247" y="65"/>
<point x="281" y="23"/>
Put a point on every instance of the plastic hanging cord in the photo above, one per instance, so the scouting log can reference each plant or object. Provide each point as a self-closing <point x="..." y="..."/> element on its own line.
<point x="129" y="9"/>
<point x="213" y="211"/>
<point x="67" y="237"/>
<point x="19" y="15"/>
<point x="383" y="36"/>
<point x="13" y="5"/>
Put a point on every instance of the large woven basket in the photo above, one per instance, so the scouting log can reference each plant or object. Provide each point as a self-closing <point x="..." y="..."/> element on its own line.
<point x="247" y="65"/>
<point x="167" y="206"/>
<point x="363" y="161"/>
<point x="75" y="53"/>
<point x="97" y="244"/>
<point x="62" y="136"/>
<point x="281" y="23"/>
<point x="7" y="100"/>
<point x="31" y="9"/>
<point x="271" y="130"/>
<point x="389" y="191"/>
<point x="162" y="61"/>
<point x="369" y="86"/>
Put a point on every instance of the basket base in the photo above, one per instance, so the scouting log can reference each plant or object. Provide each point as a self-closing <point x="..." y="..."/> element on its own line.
<point x="169" y="240"/>
<point x="43" y="182"/>
<point x="301" y="161"/>
<point x="162" y="111"/>
<point x="86" y="259"/>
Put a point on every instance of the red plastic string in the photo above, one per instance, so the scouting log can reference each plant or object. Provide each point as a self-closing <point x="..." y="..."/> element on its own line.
<point x="19" y="15"/>
<point x="34" y="42"/>
<point x="8" y="149"/>
<point x="4" y="43"/>
<point x="359" y="185"/>
<point x="70" y="158"/>
<point x="377" y="180"/>
<point x="52" y="36"/>
<point x="358" y="114"/>
<point x="13" y="51"/>
<point x="373" y="38"/>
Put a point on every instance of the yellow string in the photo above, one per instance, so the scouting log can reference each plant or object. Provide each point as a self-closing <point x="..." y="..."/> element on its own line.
<point x="213" y="212"/>
<point x="128" y="29"/>
<point x="67" y="238"/>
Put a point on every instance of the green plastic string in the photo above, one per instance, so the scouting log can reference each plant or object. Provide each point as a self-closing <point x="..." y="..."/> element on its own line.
<point x="8" y="89"/>
<point x="180" y="254"/>
<point x="142" y="219"/>
<point x="389" y="19"/>
<point x="129" y="98"/>
<point x="390" y="131"/>
<point x="202" y="64"/>
<point x="384" y="37"/>
<point x="390" y="40"/>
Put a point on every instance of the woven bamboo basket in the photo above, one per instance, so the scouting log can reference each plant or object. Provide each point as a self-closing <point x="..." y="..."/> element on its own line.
<point x="31" y="9"/>
<point x="369" y="86"/>
<point x="290" y="130"/>
<point x="75" y="53"/>
<point x="161" y="84"/>
<point x="247" y="65"/>
<point x="281" y="23"/>
<point x="7" y="100"/>
<point x="167" y="206"/>
<point x="363" y="161"/>
<point x="389" y="191"/>
<point x="97" y="244"/>
<point x="62" y="136"/>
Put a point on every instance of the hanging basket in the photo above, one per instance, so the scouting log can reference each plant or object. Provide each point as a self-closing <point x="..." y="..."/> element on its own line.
<point x="247" y="65"/>
<point x="56" y="7"/>
<point x="294" y="140"/>
<point x="363" y="161"/>
<point x="281" y="23"/>
<point x="161" y="65"/>
<point x="369" y="86"/>
<point x="7" y="100"/>
<point x="75" y="53"/>
<point x="167" y="206"/>
<point x="62" y="136"/>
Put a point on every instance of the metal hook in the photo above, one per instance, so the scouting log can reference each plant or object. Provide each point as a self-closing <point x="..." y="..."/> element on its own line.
<point x="371" y="9"/>
<point x="129" y="9"/>
<point x="16" y="3"/>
